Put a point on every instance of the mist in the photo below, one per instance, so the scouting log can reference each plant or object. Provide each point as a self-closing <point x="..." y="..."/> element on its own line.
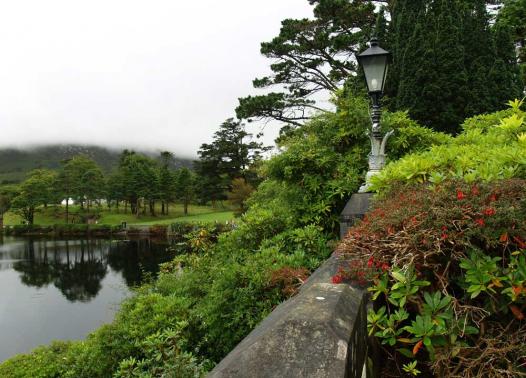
<point x="146" y="75"/>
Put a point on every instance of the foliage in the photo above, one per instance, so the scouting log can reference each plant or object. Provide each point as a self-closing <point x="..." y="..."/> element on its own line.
<point x="139" y="182"/>
<point x="449" y="62"/>
<point x="185" y="185"/>
<point x="81" y="179"/>
<point x="310" y="55"/>
<point x="37" y="190"/>
<point x="447" y="266"/>
<point x="490" y="147"/>
<point x="163" y="358"/>
<point x="513" y="16"/>
<point x="240" y="192"/>
<point x="324" y="160"/>
<point x="201" y="306"/>
<point x="140" y="179"/>
<point x="7" y="194"/>
<point x="15" y="164"/>
<point x="229" y="156"/>
<point x="166" y="181"/>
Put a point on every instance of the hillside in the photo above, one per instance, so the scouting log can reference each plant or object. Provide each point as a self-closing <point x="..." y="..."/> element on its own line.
<point x="15" y="163"/>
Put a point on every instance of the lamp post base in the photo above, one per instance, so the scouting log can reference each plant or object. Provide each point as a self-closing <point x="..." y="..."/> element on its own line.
<point x="365" y="188"/>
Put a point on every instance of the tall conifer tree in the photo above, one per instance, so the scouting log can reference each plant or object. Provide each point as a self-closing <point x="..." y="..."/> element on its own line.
<point x="479" y="56"/>
<point x="505" y="74"/>
<point x="449" y="63"/>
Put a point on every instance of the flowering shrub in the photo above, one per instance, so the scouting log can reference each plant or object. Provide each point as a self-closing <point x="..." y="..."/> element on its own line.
<point x="446" y="268"/>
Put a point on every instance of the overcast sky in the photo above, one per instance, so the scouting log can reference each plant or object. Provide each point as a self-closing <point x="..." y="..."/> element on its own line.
<point x="160" y="74"/>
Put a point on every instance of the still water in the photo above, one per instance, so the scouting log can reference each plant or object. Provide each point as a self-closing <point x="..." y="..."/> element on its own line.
<point x="64" y="289"/>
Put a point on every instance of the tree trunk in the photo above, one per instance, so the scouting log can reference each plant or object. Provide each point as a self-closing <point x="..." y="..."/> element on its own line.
<point x="67" y="210"/>
<point x="152" y="208"/>
<point x="167" y="212"/>
<point x="31" y="216"/>
<point x="162" y="207"/>
<point x="1" y="223"/>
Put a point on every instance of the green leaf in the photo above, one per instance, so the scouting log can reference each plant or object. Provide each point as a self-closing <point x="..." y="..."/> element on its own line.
<point x="405" y="352"/>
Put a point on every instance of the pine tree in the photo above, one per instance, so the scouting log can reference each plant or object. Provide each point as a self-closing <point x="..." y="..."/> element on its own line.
<point x="409" y="68"/>
<point x="405" y="18"/>
<point x="479" y="54"/>
<point x="228" y="157"/>
<point x="448" y="64"/>
<point x="441" y="77"/>
<point x="504" y="75"/>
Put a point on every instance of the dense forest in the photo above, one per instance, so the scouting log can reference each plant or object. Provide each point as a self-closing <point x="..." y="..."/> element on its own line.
<point x="15" y="164"/>
<point x="457" y="155"/>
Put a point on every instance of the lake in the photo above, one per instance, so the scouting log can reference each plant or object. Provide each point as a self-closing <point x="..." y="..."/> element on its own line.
<point x="64" y="289"/>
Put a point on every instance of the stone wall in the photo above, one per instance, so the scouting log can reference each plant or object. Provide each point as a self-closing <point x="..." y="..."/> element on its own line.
<point x="320" y="333"/>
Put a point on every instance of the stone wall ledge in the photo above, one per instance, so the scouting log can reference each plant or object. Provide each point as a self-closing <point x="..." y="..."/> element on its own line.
<point x="312" y="334"/>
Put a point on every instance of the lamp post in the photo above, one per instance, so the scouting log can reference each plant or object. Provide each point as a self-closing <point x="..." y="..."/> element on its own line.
<point x="375" y="62"/>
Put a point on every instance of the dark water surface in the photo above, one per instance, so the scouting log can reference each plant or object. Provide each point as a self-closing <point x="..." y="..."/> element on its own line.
<point x="64" y="289"/>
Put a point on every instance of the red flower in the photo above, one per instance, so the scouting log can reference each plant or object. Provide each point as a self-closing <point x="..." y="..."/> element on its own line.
<point x="460" y="195"/>
<point x="520" y="242"/>
<point x="385" y="267"/>
<point x="517" y="312"/>
<point x="475" y="190"/>
<point x="443" y="236"/>
<point x="417" y="347"/>
<point x="480" y="222"/>
<point x="444" y="228"/>
<point x="493" y="197"/>
<point x="360" y="274"/>
<point x="490" y="211"/>
<point x="336" y="279"/>
<point x="370" y="262"/>
<point x="504" y="238"/>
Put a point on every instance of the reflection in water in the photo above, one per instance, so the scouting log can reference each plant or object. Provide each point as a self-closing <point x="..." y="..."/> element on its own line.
<point x="63" y="289"/>
<point x="77" y="267"/>
<point x="135" y="266"/>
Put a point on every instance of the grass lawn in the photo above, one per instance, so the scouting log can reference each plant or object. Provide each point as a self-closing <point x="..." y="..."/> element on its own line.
<point x="219" y="216"/>
<point x="196" y="213"/>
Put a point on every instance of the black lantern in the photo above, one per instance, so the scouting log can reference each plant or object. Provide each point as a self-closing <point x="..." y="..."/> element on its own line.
<point x="374" y="62"/>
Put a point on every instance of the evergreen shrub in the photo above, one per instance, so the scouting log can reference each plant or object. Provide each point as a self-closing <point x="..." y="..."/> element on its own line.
<point x="491" y="147"/>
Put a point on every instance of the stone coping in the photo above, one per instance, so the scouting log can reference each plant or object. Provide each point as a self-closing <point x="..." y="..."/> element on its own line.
<point x="309" y="335"/>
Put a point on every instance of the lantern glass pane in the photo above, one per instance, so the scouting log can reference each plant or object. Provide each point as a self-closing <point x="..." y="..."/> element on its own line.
<point x="374" y="68"/>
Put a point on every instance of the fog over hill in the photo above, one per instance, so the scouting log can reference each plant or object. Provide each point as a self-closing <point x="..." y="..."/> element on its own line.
<point x="147" y="74"/>
<point x="15" y="163"/>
